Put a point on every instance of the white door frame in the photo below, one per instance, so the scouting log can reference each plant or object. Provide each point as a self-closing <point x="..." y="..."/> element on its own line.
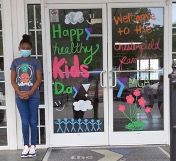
<point x="9" y="93"/>
<point x="141" y="137"/>
<point x="18" y="17"/>
<point x="77" y="139"/>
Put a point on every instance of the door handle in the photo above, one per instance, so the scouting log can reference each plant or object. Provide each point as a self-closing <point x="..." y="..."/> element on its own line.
<point x="101" y="79"/>
<point x="114" y="82"/>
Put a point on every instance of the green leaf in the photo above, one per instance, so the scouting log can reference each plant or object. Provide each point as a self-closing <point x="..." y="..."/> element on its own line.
<point x="135" y="125"/>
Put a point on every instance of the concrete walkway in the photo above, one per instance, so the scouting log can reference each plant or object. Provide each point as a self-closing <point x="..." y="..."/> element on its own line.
<point x="152" y="153"/>
<point x="14" y="155"/>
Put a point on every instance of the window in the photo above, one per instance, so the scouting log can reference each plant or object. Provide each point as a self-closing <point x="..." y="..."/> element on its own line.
<point x="3" y="122"/>
<point x="148" y="64"/>
<point x="35" y="30"/>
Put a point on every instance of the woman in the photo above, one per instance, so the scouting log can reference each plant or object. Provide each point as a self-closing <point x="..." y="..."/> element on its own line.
<point x="26" y="78"/>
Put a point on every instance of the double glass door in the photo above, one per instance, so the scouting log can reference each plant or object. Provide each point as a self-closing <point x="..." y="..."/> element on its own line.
<point x="106" y="74"/>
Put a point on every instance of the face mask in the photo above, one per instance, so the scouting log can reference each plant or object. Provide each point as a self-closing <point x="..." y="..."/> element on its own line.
<point x="25" y="53"/>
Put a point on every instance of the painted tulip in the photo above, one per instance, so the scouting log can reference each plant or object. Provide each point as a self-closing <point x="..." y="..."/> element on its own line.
<point x="137" y="92"/>
<point x="130" y="99"/>
<point x="142" y="102"/>
<point x="148" y="110"/>
<point x="122" y="108"/>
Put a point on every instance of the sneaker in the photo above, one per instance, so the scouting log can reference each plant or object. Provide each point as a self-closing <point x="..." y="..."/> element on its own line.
<point x="25" y="152"/>
<point x="32" y="151"/>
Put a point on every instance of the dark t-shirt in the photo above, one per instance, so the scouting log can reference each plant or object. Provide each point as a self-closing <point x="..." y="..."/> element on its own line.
<point x="26" y="73"/>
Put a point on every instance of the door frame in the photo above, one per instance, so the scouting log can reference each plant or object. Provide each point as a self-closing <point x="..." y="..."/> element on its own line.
<point x="78" y="139"/>
<point x="9" y="92"/>
<point x="142" y="136"/>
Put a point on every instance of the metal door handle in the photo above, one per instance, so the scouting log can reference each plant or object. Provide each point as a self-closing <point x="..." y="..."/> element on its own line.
<point x="101" y="79"/>
<point x="115" y="75"/>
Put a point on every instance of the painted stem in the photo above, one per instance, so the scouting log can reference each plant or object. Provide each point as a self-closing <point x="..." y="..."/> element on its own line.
<point x="135" y="108"/>
<point x="130" y="111"/>
<point x="127" y="117"/>
<point x="136" y="111"/>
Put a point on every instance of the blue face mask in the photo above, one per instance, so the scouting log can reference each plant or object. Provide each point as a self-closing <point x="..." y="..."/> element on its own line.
<point x="25" y="53"/>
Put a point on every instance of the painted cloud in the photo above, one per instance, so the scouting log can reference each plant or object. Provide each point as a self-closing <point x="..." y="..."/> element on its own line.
<point x="82" y="105"/>
<point x="74" y="18"/>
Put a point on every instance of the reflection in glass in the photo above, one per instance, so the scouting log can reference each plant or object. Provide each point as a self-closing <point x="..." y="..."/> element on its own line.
<point x="3" y="121"/>
<point x="42" y="116"/>
<point x="42" y="96"/>
<point x="34" y="16"/>
<point x="2" y="94"/>
<point x="2" y="76"/>
<point x="148" y="64"/>
<point x="39" y="43"/>
<point x="137" y="42"/>
<point x="3" y="136"/>
<point x="0" y="21"/>
<point x="41" y="132"/>
<point x="174" y="14"/>
<point x="174" y="40"/>
<point x="1" y="43"/>
<point x="32" y="36"/>
<point x="1" y="64"/>
<point x="43" y="135"/>
<point x="38" y="16"/>
<point x="41" y="60"/>
<point x="30" y="9"/>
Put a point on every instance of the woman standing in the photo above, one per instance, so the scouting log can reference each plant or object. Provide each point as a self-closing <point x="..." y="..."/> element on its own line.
<point x="26" y="78"/>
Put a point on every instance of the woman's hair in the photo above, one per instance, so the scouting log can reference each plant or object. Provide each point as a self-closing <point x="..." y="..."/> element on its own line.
<point x="26" y="39"/>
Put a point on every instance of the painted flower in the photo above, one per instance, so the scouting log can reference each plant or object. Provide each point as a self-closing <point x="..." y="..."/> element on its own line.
<point x="137" y="92"/>
<point x="122" y="108"/>
<point x="148" y="110"/>
<point x="142" y="102"/>
<point x="130" y="99"/>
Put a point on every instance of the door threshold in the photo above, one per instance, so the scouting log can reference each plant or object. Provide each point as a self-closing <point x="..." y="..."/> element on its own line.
<point x="108" y="146"/>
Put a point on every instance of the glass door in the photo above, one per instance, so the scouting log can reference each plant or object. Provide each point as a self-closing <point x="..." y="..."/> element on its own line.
<point x="138" y="69"/>
<point x="77" y="56"/>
